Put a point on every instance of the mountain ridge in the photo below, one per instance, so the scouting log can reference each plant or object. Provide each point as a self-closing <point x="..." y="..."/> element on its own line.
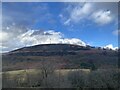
<point x="63" y="55"/>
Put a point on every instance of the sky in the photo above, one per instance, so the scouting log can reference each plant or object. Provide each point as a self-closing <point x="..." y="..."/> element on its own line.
<point x="84" y="23"/>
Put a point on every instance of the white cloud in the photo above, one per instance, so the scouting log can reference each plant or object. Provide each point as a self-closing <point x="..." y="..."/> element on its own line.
<point x="46" y="38"/>
<point x="3" y="36"/>
<point x="102" y="17"/>
<point x="116" y="32"/>
<point x="67" y="22"/>
<point x="29" y="38"/>
<point x="78" y="12"/>
<point x="100" y="14"/>
<point x="35" y="37"/>
<point x="110" y="46"/>
<point x="74" y="41"/>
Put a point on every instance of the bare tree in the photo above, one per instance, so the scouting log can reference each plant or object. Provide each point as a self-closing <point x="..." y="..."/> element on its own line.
<point x="47" y="70"/>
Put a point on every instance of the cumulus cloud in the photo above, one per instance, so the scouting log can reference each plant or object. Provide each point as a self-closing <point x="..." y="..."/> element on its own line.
<point x="102" y="17"/>
<point x="3" y="36"/>
<point x="100" y="13"/>
<point x="74" y="41"/>
<point x="30" y="38"/>
<point x="47" y="37"/>
<point x="77" y="12"/>
<point x="35" y="37"/>
<point x="110" y="46"/>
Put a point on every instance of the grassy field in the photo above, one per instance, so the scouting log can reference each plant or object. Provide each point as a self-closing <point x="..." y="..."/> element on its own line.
<point x="64" y="78"/>
<point x="35" y="71"/>
<point x="23" y="74"/>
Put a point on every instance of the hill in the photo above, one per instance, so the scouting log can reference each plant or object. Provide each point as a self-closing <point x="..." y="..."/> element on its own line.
<point x="62" y="56"/>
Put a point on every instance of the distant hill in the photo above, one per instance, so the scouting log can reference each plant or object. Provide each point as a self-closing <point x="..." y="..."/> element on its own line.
<point x="61" y="55"/>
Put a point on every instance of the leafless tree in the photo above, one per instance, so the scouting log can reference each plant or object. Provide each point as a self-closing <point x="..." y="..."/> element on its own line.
<point x="47" y="71"/>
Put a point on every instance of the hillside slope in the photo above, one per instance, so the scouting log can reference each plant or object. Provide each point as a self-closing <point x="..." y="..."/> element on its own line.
<point x="59" y="55"/>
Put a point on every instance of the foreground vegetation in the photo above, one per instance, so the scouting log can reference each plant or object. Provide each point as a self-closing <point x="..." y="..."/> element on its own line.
<point x="74" y="78"/>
